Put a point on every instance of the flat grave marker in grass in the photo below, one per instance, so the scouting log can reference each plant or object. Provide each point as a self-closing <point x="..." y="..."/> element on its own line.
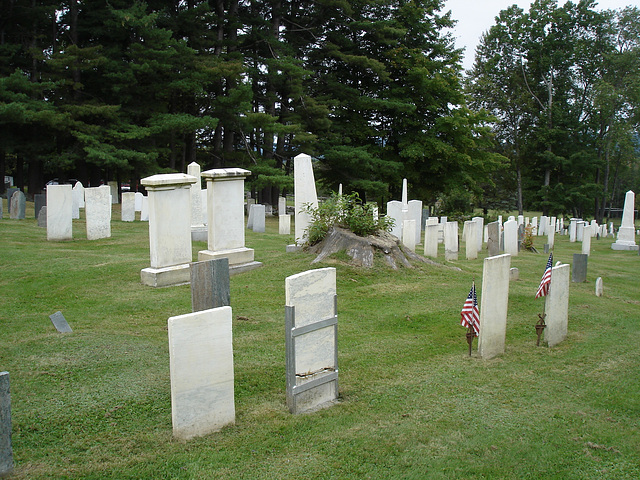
<point x="60" y="322"/>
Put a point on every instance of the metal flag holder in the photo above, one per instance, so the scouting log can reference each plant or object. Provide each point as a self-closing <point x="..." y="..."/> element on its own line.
<point x="470" y="335"/>
<point x="540" y="326"/>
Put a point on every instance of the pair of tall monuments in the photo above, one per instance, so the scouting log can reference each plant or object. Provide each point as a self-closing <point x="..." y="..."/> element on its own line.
<point x="170" y="224"/>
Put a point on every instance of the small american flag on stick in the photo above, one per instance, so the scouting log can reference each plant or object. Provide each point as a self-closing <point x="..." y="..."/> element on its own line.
<point x="470" y="314"/>
<point x="543" y="289"/>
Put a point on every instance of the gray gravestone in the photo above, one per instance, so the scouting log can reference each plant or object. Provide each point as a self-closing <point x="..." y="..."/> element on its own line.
<point x="520" y="236"/>
<point x="514" y="274"/>
<point x="18" y="206"/>
<point x="39" y="201"/>
<point x="42" y="217"/>
<point x="493" y="243"/>
<point x="210" y="284"/>
<point x="579" y="271"/>
<point x="6" y="454"/>
<point x="258" y="218"/>
<point x="60" y="322"/>
<point x="546" y="248"/>
<point x="10" y="192"/>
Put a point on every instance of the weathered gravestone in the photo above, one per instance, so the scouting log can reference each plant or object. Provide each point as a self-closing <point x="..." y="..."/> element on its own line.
<point x="144" y="211"/>
<point x="479" y="231"/>
<point x="258" y="218"/>
<point x="305" y="195"/>
<point x="557" y="306"/>
<point x="431" y="240"/>
<point x="210" y="284"/>
<point x="201" y="369"/>
<point x="6" y="450"/>
<point x="409" y="234"/>
<point x="579" y="271"/>
<point x="551" y="233"/>
<point x="170" y="245"/>
<point x="493" y="243"/>
<point x="113" y="191"/>
<point x="414" y="212"/>
<point x="451" y="241"/>
<point x="198" y="228"/>
<point x="138" y="203"/>
<point x="19" y="205"/>
<point x="493" y="309"/>
<point x="42" y="217"/>
<point x="599" y="287"/>
<point x="282" y="206"/>
<point x="311" y="340"/>
<point x="471" y="240"/>
<point x="59" y="212"/>
<point x="60" y="322"/>
<point x="394" y="211"/>
<point x="586" y="240"/>
<point x="510" y="235"/>
<point x="128" y="211"/>
<point x="39" y="201"/>
<point x="98" y="212"/>
<point x="10" y="192"/>
<point x="284" y="224"/>
<point x="514" y="274"/>
<point x="75" y="200"/>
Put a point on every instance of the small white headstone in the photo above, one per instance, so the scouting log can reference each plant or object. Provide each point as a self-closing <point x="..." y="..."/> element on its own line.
<point x="557" y="306"/>
<point x="284" y="226"/>
<point x="431" y="240"/>
<point x="394" y="211"/>
<point x="599" y="287"/>
<point x="451" y="241"/>
<point x="511" y="237"/>
<point x="409" y="234"/>
<point x="138" y="203"/>
<point x="471" y="242"/>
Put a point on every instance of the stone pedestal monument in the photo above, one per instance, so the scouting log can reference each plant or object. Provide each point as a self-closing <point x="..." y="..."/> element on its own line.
<point x="627" y="234"/>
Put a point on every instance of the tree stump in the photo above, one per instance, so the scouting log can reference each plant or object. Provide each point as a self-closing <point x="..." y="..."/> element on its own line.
<point x="362" y="250"/>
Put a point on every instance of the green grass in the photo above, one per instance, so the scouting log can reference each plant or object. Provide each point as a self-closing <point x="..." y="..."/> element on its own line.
<point x="95" y="403"/>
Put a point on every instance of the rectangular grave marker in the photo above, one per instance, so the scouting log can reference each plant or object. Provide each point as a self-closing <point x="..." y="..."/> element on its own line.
<point x="579" y="271"/>
<point x="493" y="306"/>
<point x="201" y="368"/>
<point x="311" y="340"/>
<point x="557" y="306"/>
<point x="6" y="452"/>
<point x="210" y="284"/>
<point x="60" y="322"/>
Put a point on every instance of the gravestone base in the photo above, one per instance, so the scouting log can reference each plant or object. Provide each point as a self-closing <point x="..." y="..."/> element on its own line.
<point x="240" y="259"/>
<point x="199" y="233"/>
<point x="293" y="248"/>
<point x="624" y="246"/>
<point x="166" y="276"/>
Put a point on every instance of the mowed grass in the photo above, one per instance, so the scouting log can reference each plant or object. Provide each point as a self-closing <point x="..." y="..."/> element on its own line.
<point x="95" y="404"/>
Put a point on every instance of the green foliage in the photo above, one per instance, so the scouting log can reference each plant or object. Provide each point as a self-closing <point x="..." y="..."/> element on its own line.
<point x="527" y="241"/>
<point x="346" y="211"/>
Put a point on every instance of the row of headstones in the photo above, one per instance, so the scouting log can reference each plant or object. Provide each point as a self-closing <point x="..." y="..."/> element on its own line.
<point x="201" y="350"/>
<point x="257" y="214"/>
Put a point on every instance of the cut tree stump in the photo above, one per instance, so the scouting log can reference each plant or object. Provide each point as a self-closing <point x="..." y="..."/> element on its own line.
<point x="362" y="249"/>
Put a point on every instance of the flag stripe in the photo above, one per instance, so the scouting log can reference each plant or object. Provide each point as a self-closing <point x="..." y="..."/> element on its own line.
<point x="470" y="315"/>
<point x="545" y="283"/>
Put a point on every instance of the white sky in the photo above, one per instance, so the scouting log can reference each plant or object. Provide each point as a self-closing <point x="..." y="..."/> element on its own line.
<point x="477" y="16"/>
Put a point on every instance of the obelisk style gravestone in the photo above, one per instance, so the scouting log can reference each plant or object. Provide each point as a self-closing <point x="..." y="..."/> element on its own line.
<point x="627" y="234"/>
<point x="305" y="194"/>
<point x="493" y="306"/>
<point x="169" y="229"/>
<point x="201" y="368"/>
<point x="557" y="306"/>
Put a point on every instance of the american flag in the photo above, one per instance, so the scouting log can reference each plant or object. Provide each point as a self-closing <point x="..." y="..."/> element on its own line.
<point x="470" y="314"/>
<point x="543" y="289"/>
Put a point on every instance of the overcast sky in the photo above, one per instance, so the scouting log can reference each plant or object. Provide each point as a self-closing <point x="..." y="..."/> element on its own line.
<point x="477" y="16"/>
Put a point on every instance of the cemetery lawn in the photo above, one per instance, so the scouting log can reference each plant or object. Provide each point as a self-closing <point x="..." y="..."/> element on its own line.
<point x="95" y="403"/>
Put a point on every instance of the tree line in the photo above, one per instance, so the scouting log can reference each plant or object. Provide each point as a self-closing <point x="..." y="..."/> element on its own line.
<point x="372" y="89"/>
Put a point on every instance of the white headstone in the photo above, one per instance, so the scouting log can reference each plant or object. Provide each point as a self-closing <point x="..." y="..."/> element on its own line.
<point x="579" y="230"/>
<point x="258" y="218"/>
<point x="415" y="214"/>
<point x="544" y="222"/>
<point x="409" y="234"/>
<point x="284" y="225"/>
<point x="170" y="244"/>
<point x="451" y="241"/>
<point x="586" y="240"/>
<point x="113" y="186"/>
<point x="305" y="194"/>
<point x="551" y="233"/>
<point x="534" y="226"/>
<point x="511" y="237"/>
<point x="493" y="306"/>
<point x="394" y="211"/>
<point x="197" y="218"/>
<point x="77" y="198"/>
<point x="138" y="201"/>
<point x="282" y="206"/>
<point x="98" y="212"/>
<point x="201" y="368"/>
<point x="431" y="240"/>
<point x="521" y="220"/>
<point x="626" y="234"/>
<point x="128" y="212"/>
<point x="59" y="212"/>
<point x="557" y="305"/>
<point x="471" y="242"/>
<point x="599" y="287"/>
<point x="479" y="230"/>
<point x="144" y="210"/>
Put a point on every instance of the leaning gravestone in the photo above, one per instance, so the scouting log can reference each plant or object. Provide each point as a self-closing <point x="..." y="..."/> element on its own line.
<point x="98" y="212"/>
<point x="493" y="309"/>
<point x="210" y="284"/>
<point x="60" y="322"/>
<point x="579" y="271"/>
<point x="59" y="212"/>
<point x="39" y="201"/>
<point x="305" y="194"/>
<point x="6" y="452"/>
<point x="557" y="306"/>
<point x="18" y="205"/>
<point x="201" y="370"/>
<point x="42" y="217"/>
<point x="311" y="340"/>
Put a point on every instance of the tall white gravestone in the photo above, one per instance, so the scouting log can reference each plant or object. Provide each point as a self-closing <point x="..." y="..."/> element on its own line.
<point x="59" y="212"/>
<point x="627" y="234"/>
<point x="198" y="229"/>
<point x="431" y="240"/>
<point x="451" y="241"/>
<point x="557" y="305"/>
<point x="471" y="241"/>
<point x="510" y="234"/>
<point x="225" y="209"/>
<point x="169" y="229"/>
<point x="311" y="339"/>
<point x="201" y="368"/>
<point x="128" y="211"/>
<point x="414" y="208"/>
<point x="305" y="194"/>
<point x="98" y="212"/>
<point x="493" y="309"/>
<point x="586" y="239"/>
<point x="394" y="211"/>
